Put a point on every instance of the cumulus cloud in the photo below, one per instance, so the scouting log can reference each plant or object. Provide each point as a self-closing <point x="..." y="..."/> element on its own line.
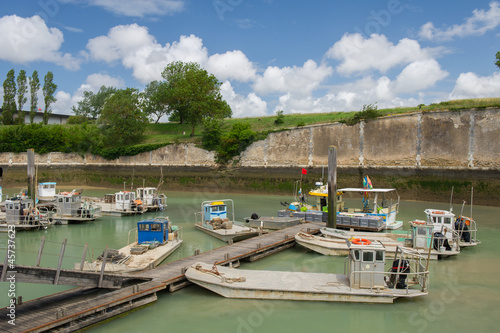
<point x="136" y="49"/>
<point x="419" y="75"/>
<point x="296" y="80"/>
<point x="470" y="85"/>
<point x="478" y="24"/>
<point x="29" y="39"/>
<point x="358" y="54"/>
<point x="136" y="8"/>
<point x="249" y="106"/>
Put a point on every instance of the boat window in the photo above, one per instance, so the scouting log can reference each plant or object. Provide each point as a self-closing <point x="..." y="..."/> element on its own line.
<point x="144" y="227"/>
<point x="67" y="199"/>
<point x="126" y="196"/>
<point x="60" y="199"/>
<point x="356" y="255"/>
<point x="368" y="256"/>
<point x="10" y="206"/>
<point x="222" y="208"/>
<point x="421" y="231"/>
<point x="215" y="208"/>
<point x="447" y="220"/>
<point x="379" y="255"/>
<point x="156" y="227"/>
<point x="16" y="206"/>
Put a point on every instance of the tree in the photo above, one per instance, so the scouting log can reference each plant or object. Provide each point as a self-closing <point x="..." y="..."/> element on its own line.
<point x="122" y="120"/>
<point x="237" y="140"/>
<point x="498" y="59"/>
<point x="155" y="100"/>
<point x="34" y="87"/>
<point x="22" y="89"/>
<point x="92" y="104"/>
<point x="192" y="94"/>
<point x="9" y="98"/>
<point x="211" y="135"/>
<point x="49" y="88"/>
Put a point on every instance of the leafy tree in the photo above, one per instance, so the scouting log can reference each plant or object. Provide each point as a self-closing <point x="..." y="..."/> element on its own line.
<point x="498" y="59"/>
<point x="211" y="136"/>
<point x="22" y="89"/>
<point x="9" y="98"/>
<point x="92" y="104"/>
<point x="192" y="94"/>
<point x="34" y="87"/>
<point x="155" y="98"/>
<point x="280" y="119"/>
<point x="122" y="120"/>
<point x="49" y="88"/>
<point x="237" y="140"/>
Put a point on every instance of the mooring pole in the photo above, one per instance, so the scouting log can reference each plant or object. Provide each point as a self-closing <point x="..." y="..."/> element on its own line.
<point x="31" y="174"/>
<point x="332" y="187"/>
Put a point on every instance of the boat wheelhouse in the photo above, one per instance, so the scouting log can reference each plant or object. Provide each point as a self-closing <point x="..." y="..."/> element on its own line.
<point x="217" y="221"/>
<point x="155" y="240"/>
<point x="69" y="208"/>
<point x="151" y="200"/>
<point x="365" y="279"/>
<point x="46" y="192"/>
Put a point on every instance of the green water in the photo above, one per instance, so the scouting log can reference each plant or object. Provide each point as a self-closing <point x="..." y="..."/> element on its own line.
<point x="464" y="291"/>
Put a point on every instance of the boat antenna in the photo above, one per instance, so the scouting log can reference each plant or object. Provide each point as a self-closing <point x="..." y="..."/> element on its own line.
<point x="462" y="211"/>
<point x="451" y="199"/>
<point x="471" y="197"/>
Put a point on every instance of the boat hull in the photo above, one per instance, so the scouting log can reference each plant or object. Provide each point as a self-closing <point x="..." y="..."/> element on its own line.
<point x="236" y="233"/>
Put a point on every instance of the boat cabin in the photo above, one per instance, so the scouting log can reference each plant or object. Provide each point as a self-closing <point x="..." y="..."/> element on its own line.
<point x="151" y="231"/>
<point x="126" y="200"/>
<point x="214" y="209"/>
<point x="46" y="191"/>
<point x="18" y="210"/>
<point x="442" y="220"/>
<point x="421" y="234"/>
<point x="149" y="197"/>
<point x="320" y="192"/>
<point x="69" y="203"/>
<point x="364" y="259"/>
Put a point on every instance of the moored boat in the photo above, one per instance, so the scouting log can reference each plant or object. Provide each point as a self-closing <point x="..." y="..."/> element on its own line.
<point x="70" y="208"/>
<point x="445" y="222"/>
<point x="365" y="279"/>
<point x="218" y="222"/>
<point x="156" y="239"/>
<point x="21" y="214"/>
<point x="121" y="203"/>
<point x="151" y="200"/>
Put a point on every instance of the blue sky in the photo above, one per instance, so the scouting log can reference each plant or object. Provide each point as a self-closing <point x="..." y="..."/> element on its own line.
<point x="296" y="56"/>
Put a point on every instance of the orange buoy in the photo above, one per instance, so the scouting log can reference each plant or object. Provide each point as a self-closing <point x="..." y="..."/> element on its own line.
<point x="361" y="241"/>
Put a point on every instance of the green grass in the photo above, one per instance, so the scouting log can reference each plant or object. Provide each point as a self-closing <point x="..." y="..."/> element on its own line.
<point x="177" y="133"/>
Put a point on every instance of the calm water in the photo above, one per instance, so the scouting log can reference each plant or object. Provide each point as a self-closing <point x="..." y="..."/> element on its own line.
<point x="464" y="291"/>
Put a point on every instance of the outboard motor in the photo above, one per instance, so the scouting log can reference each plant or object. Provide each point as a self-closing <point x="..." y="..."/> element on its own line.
<point x="462" y="229"/>
<point x="403" y="266"/>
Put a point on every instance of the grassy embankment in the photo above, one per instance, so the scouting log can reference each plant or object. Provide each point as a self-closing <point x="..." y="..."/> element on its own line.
<point x="177" y="133"/>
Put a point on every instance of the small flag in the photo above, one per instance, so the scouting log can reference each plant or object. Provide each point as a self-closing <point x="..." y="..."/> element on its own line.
<point x="304" y="171"/>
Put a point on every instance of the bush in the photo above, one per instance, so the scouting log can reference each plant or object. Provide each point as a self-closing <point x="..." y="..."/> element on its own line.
<point x="237" y="140"/>
<point x="280" y="119"/>
<point x="369" y="111"/>
<point x="211" y="135"/>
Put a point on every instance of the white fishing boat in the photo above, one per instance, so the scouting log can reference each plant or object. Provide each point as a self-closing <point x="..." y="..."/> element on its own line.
<point x="151" y="200"/>
<point x="21" y="214"/>
<point x="70" y="208"/>
<point x="420" y="237"/>
<point x="156" y="239"/>
<point x="218" y="222"/>
<point x="46" y="192"/>
<point x="365" y="279"/>
<point x="121" y="203"/>
<point x="445" y="222"/>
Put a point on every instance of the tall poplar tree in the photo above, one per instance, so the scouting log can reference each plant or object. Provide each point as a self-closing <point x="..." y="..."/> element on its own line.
<point x="34" y="87"/>
<point x="22" y="89"/>
<point x="9" y="98"/>
<point x="49" y="88"/>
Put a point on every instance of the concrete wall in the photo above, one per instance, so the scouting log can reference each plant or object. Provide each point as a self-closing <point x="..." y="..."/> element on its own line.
<point x="464" y="140"/>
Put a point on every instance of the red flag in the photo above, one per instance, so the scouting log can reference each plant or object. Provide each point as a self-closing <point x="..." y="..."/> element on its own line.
<point x="304" y="171"/>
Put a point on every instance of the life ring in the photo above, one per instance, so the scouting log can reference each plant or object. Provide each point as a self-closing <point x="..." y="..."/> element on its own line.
<point x="419" y="222"/>
<point x="437" y="212"/>
<point x="361" y="241"/>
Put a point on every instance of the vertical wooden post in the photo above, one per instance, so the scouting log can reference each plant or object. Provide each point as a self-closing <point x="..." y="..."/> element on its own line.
<point x="103" y="265"/>
<point x="84" y="255"/>
<point x="59" y="264"/>
<point x="31" y="174"/>
<point x="332" y="187"/>
<point x="40" y="250"/>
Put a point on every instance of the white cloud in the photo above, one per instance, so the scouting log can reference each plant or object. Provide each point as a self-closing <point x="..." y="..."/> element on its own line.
<point x="470" y="85"/>
<point x="419" y="75"/>
<point x="478" y="24"/>
<point x="249" y="106"/>
<point x="25" y="40"/>
<point x="231" y="65"/>
<point x="136" y="8"/>
<point x="296" y="80"/>
<point x="357" y="54"/>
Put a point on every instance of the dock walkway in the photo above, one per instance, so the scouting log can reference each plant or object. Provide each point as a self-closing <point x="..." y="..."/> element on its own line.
<point x="77" y="308"/>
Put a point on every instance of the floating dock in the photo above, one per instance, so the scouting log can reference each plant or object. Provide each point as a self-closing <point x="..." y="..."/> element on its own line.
<point x="77" y="308"/>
